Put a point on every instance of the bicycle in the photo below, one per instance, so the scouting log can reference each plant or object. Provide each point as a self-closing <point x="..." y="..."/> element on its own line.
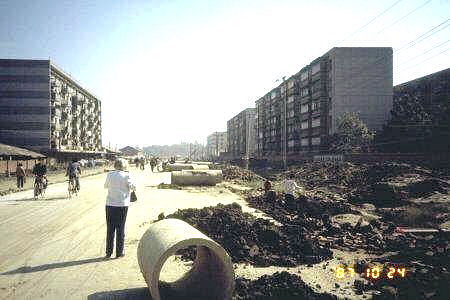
<point x="72" y="188"/>
<point x="39" y="187"/>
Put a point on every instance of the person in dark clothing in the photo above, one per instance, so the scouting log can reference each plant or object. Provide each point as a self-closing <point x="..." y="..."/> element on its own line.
<point x="20" y="173"/>
<point x="153" y="163"/>
<point x="74" y="172"/>
<point x="40" y="170"/>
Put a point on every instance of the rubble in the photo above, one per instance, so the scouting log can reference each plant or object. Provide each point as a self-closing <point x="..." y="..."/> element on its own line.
<point x="236" y="173"/>
<point x="281" y="285"/>
<point x="253" y="240"/>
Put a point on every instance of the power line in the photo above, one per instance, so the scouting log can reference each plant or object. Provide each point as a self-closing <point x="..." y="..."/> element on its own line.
<point x="373" y="19"/>
<point x="426" y="60"/>
<point x="420" y="39"/>
<point x="425" y="52"/>
<point x="398" y="20"/>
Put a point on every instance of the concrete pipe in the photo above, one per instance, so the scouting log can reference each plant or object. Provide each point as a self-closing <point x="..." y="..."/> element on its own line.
<point x="212" y="274"/>
<point x="196" y="177"/>
<point x="200" y="167"/>
<point x="179" y="167"/>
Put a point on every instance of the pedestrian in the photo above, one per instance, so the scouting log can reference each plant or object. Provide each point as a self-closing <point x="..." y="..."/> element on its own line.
<point x="119" y="185"/>
<point x="289" y="186"/>
<point x="142" y="162"/>
<point x="153" y="163"/>
<point x="268" y="192"/>
<point x="20" y="173"/>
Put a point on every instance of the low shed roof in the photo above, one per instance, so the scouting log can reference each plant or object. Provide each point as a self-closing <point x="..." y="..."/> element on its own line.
<point x="7" y="151"/>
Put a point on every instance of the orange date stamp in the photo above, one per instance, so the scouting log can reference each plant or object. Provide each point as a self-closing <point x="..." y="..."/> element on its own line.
<point x="375" y="272"/>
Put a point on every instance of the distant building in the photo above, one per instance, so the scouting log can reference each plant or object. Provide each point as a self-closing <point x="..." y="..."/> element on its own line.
<point x="241" y="134"/>
<point x="298" y="116"/>
<point x="217" y="143"/>
<point x="131" y="151"/>
<point x="44" y="109"/>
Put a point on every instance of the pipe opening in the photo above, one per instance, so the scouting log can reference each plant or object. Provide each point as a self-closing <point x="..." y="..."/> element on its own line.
<point x="206" y="279"/>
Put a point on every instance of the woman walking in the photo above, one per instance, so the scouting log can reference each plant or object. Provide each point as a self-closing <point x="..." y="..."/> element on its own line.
<point x="119" y="185"/>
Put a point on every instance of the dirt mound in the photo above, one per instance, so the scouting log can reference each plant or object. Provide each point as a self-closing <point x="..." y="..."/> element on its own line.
<point x="237" y="173"/>
<point x="253" y="240"/>
<point x="281" y="285"/>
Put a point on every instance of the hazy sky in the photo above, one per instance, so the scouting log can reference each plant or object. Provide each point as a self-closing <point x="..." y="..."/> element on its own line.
<point x="171" y="71"/>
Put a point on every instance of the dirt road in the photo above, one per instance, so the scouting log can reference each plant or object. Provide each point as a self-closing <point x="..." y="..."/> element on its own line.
<point x="54" y="248"/>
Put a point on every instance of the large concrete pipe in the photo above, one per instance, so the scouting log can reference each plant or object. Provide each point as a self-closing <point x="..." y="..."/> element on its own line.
<point x="196" y="177"/>
<point x="212" y="274"/>
<point x="179" y="167"/>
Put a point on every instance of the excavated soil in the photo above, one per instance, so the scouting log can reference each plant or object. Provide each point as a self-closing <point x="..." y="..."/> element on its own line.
<point x="254" y="240"/>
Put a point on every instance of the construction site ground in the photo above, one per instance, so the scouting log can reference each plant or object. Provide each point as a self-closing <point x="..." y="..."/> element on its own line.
<point x="53" y="248"/>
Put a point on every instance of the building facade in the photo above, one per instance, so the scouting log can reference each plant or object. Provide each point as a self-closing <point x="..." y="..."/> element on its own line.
<point x="241" y="130"/>
<point x="298" y="116"/>
<point x="44" y="109"/>
<point x="216" y="143"/>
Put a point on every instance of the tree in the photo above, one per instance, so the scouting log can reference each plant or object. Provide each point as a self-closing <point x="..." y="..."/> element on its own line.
<point x="352" y="134"/>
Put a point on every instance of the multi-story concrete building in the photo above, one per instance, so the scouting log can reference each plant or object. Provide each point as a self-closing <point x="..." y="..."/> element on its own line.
<point x="44" y="109"/>
<point x="432" y="89"/>
<point x="216" y="143"/>
<point x="298" y="116"/>
<point x="241" y="134"/>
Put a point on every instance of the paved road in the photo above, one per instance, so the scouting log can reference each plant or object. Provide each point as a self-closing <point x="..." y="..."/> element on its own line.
<point x="53" y="248"/>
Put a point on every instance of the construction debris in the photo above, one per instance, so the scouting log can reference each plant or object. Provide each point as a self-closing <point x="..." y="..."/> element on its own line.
<point x="253" y="240"/>
<point x="281" y="285"/>
<point x="233" y="173"/>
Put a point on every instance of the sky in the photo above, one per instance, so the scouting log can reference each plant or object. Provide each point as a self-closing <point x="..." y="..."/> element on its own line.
<point x="176" y="71"/>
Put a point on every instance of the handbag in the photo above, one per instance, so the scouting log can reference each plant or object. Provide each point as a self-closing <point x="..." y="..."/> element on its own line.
<point x="133" y="197"/>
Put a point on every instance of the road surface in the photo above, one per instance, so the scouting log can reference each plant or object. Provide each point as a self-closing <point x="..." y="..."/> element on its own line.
<point x="53" y="248"/>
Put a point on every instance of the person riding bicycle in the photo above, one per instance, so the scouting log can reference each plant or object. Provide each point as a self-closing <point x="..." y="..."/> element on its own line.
<point x="40" y="170"/>
<point x="74" y="172"/>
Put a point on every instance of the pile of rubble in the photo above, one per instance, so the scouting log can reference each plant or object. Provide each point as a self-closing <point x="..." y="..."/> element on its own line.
<point x="425" y="261"/>
<point x="386" y="184"/>
<point x="236" y="173"/>
<point x="281" y="285"/>
<point x="313" y="217"/>
<point x="253" y="240"/>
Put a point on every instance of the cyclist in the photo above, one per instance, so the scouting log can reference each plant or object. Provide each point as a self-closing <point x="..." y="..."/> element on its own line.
<point x="74" y="172"/>
<point x="40" y="170"/>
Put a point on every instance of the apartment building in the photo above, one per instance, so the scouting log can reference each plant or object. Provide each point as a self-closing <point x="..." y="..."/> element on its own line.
<point x="241" y="130"/>
<point x="43" y="108"/>
<point x="432" y="89"/>
<point x="216" y="143"/>
<point x="298" y="116"/>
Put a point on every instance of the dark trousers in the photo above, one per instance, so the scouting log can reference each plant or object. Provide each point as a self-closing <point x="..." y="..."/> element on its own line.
<point x="115" y="225"/>
<point x="20" y="180"/>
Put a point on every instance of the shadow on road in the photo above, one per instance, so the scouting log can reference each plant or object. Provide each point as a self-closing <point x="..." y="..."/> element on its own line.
<point x="41" y="199"/>
<point x="45" y="267"/>
<point x="126" y="294"/>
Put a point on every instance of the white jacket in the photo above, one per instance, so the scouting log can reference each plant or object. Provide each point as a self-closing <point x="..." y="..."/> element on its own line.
<point x="119" y="185"/>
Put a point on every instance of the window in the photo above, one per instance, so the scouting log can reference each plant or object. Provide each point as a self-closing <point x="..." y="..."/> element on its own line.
<point x="291" y="144"/>
<point x="304" y="108"/>
<point x="291" y="84"/>
<point x="315" y="122"/>
<point x="305" y="125"/>
<point x="304" y="75"/>
<point x="304" y="92"/>
<point x="304" y="142"/>
<point x="315" y="141"/>
<point x="315" y="105"/>
<point x="315" y="68"/>
<point x="273" y="95"/>
<point x="290" y="99"/>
